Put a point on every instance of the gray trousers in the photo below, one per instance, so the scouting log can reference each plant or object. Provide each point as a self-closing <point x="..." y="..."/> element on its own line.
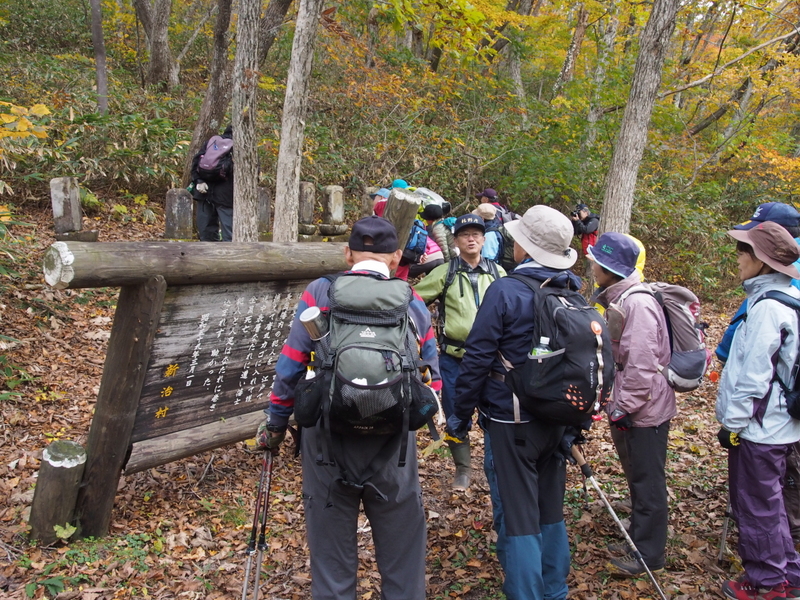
<point x="332" y="509"/>
<point x="643" y="455"/>
<point x="211" y="219"/>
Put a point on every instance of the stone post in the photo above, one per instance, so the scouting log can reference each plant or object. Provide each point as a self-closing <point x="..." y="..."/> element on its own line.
<point x="308" y="198"/>
<point x="264" y="211"/>
<point x="178" y="215"/>
<point x="333" y="211"/>
<point x="366" y="201"/>
<point x="66" y="199"/>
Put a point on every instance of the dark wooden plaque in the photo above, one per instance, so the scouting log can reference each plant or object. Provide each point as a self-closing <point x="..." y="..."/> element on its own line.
<point x="214" y="354"/>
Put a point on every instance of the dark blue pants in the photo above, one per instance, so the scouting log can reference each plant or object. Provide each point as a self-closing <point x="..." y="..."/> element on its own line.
<point x="211" y="219"/>
<point x="448" y="369"/>
<point x="526" y="482"/>
<point x="755" y="472"/>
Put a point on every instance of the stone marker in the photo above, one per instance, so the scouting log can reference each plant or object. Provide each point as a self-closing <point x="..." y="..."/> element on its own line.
<point x="366" y="201"/>
<point x="333" y="211"/>
<point x="264" y="211"/>
<point x="60" y="474"/>
<point x="65" y="195"/>
<point x="178" y="225"/>
<point x="308" y="198"/>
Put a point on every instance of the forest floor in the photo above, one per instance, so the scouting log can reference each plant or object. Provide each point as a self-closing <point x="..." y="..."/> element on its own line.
<point x="180" y="530"/>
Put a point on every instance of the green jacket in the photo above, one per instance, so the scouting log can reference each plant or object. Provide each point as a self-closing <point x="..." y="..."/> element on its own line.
<point x="461" y="304"/>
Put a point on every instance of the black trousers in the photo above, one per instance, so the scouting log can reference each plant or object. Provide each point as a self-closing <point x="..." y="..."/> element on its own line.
<point x="643" y="455"/>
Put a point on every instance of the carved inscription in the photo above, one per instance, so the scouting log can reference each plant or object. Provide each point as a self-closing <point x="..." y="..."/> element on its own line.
<point x="214" y="354"/>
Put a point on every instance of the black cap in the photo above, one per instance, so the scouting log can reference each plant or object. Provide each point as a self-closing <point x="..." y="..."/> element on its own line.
<point x="381" y="231"/>
<point x="469" y="220"/>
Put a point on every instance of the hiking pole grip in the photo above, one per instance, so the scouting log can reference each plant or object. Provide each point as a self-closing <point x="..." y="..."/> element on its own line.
<point x="584" y="466"/>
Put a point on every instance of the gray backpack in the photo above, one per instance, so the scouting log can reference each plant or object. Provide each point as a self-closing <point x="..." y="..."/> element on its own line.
<point x="367" y="370"/>
<point x="689" y="356"/>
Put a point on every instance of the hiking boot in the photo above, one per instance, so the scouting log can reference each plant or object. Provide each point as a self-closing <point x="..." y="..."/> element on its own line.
<point x="628" y="566"/>
<point x="792" y="591"/>
<point x="744" y="590"/>
<point x="618" y="548"/>
<point x="461" y="456"/>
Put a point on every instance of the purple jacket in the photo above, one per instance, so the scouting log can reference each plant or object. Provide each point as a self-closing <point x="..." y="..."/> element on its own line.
<point x="639" y="388"/>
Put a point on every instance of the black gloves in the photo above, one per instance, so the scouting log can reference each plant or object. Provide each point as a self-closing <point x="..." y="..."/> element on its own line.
<point x="621" y="420"/>
<point x="727" y="439"/>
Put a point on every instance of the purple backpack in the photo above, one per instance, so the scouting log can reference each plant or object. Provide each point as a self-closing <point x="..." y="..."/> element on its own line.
<point x="215" y="164"/>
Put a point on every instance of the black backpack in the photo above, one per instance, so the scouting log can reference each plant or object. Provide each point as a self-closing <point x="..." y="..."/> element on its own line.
<point x="365" y="376"/>
<point x="574" y="381"/>
<point x="792" y="394"/>
<point x="216" y="163"/>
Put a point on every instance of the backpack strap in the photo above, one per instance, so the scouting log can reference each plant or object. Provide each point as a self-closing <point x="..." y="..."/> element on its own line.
<point x="794" y="304"/>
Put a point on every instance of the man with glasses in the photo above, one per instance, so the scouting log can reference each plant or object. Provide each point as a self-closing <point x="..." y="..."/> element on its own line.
<point x="459" y="286"/>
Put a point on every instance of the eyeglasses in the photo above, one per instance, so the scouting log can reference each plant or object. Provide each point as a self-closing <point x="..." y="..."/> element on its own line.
<point x="475" y="235"/>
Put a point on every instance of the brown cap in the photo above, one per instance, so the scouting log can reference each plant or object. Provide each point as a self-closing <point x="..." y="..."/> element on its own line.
<point x="773" y="246"/>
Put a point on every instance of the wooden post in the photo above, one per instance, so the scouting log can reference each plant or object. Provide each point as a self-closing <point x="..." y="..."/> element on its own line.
<point x="308" y="198"/>
<point x="401" y="209"/>
<point x="75" y="265"/>
<point x="65" y="196"/>
<point x="178" y="215"/>
<point x="56" y="490"/>
<point x="135" y="323"/>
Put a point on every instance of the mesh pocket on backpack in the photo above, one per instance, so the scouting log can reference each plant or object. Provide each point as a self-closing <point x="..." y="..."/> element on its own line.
<point x="423" y="404"/>
<point x="364" y="401"/>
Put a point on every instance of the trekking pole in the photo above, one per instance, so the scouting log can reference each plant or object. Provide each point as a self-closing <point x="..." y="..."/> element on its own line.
<point x="262" y="497"/>
<point x="589" y="475"/>
<point x="723" y="540"/>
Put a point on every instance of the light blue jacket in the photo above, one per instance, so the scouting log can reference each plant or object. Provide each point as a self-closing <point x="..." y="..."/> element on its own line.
<point x="749" y="402"/>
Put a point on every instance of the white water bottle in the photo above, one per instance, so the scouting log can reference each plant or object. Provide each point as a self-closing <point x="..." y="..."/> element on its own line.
<point x="543" y="347"/>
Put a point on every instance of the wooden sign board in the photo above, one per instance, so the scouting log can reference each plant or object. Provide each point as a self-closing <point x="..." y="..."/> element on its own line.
<point x="214" y="354"/>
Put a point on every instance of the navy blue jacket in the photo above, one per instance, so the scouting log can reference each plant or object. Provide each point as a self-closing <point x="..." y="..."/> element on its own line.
<point x="504" y="322"/>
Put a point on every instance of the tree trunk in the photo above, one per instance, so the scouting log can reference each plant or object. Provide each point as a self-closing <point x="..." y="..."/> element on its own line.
<point x="629" y="148"/>
<point x="568" y="68"/>
<point x="604" y="52"/>
<point x="99" y="57"/>
<point x="245" y="86"/>
<point x="270" y="25"/>
<point x="155" y="21"/>
<point x="218" y="94"/>
<point x="287" y="185"/>
<point x="515" y="72"/>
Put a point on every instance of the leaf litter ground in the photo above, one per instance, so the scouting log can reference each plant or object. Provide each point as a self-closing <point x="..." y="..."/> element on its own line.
<point x="179" y="530"/>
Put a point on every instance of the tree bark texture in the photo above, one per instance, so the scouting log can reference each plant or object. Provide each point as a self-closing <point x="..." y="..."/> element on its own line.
<point x="83" y="264"/>
<point x="287" y="185"/>
<point x="135" y="324"/>
<point x="568" y="68"/>
<point x="269" y="27"/>
<point x="245" y="86"/>
<point x="608" y="35"/>
<point x="155" y="21"/>
<point x="99" y="46"/>
<point x="218" y="93"/>
<point x="632" y="138"/>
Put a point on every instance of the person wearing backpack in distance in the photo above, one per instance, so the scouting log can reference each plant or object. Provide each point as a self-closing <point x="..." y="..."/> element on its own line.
<point x="526" y="475"/>
<point x="789" y="218"/>
<point x="459" y="286"/>
<point x="391" y="496"/>
<point x="212" y="187"/>
<point x="642" y="404"/>
<point x="756" y="428"/>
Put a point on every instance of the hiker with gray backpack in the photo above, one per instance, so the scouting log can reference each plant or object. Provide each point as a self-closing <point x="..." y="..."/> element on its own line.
<point x="212" y="188"/>
<point x="360" y="372"/>
<point x="658" y="349"/>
